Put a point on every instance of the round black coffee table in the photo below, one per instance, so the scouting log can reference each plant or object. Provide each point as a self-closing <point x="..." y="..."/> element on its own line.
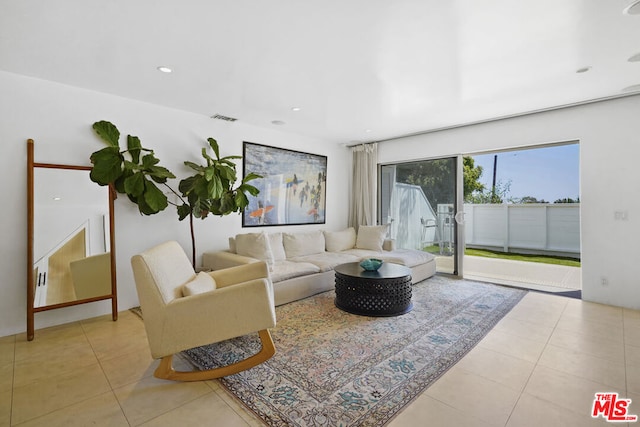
<point x="386" y="292"/>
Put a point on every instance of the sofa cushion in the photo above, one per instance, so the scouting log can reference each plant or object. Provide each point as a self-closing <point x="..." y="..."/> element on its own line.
<point x="201" y="283"/>
<point x="407" y="257"/>
<point x="371" y="237"/>
<point x="364" y="253"/>
<point x="336" y="241"/>
<point x="327" y="260"/>
<point x="301" y="244"/>
<point x="254" y="245"/>
<point x="283" y="270"/>
<point x="277" y="247"/>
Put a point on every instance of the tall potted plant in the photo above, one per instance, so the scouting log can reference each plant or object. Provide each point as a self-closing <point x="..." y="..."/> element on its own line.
<point x="135" y="171"/>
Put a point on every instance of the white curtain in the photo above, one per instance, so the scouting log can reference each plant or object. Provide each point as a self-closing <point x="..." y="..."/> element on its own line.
<point x="362" y="210"/>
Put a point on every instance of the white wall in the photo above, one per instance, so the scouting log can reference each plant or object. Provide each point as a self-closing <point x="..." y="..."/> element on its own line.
<point x="609" y="134"/>
<point x="59" y="119"/>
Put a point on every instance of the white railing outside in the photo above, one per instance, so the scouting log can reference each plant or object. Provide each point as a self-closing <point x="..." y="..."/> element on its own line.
<point x="531" y="227"/>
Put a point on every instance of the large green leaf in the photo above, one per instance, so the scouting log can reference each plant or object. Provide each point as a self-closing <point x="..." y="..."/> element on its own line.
<point x="241" y="200"/>
<point x="119" y="183"/>
<point x="200" y="211"/>
<point x="193" y="199"/>
<point x="160" y="174"/>
<point x="209" y="172"/>
<point x="248" y="188"/>
<point x="135" y="184"/>
<point x="107" y="165"/>
<point x="134" y="146"/>
<point x="215" y="207"/>
<point x="183" y="211"/>
<point x="251" y="176"/>
<point x="129" y="165"/>
<point x="144" y="208"/>
<point x="227" y="203"/>
<point x="186" y="185"/>
<point x="149" y="160"/>
<point x="209" y="159"/>
<point x="201" y="187"/>
<point x="154" y="197"/>
<point x="194" y="166"/>
<point x="226" y="172"/>
<point x="215" y="188"/>
<point x="132" y="198"/>
<point x="227" y="159"/>
<point x="108" y="132"/>
<point x="214" y="146"/>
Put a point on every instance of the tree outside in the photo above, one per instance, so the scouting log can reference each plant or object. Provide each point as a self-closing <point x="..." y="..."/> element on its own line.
<point x="437" y="180"/>
<point x="435" y="177"/>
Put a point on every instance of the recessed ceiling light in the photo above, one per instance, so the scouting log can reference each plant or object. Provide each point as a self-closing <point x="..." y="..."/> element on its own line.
<point x="295" y="109"/>
<point x="633" y="8"/>
<point x="634" y="58"/>
<point x="57" y="199"/>
<point x="583" y="69"/>
<point x="367" y="130"/>
<point x="278" y="122"/>
<point x="165" y="69"/>
<point x="631" y="88"/>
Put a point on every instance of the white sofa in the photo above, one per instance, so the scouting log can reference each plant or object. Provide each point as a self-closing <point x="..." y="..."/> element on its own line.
<point x="301" y="264"/>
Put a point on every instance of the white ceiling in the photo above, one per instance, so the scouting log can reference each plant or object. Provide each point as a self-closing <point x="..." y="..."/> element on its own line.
<point x="63" y="188"/>
<point x="359" y="70"/>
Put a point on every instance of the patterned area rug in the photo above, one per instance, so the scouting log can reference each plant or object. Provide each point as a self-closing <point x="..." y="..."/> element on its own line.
<point x="333" y="368"/>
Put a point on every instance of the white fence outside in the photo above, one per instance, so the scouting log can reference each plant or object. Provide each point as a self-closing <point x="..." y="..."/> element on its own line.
<point x="549" y="228"/>
<point x="526" y="228"/>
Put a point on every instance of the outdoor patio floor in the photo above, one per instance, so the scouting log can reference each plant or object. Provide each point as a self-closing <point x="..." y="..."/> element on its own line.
<point x="532" y="275"/>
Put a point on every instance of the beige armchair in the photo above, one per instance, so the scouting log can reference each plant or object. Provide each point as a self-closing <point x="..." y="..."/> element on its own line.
<point x="183" y="310"/>
<point x="91" y="276"/>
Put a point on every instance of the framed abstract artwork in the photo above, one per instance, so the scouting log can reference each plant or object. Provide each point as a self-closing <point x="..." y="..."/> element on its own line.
<point x="292" y="187"/>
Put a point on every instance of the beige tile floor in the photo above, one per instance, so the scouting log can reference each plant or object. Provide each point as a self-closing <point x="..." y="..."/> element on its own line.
<point x="540" y="366"/>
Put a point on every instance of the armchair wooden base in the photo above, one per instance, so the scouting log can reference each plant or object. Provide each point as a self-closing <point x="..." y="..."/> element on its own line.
<point x="165" y="369"/>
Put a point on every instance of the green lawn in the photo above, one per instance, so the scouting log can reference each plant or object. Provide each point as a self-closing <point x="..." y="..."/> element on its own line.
<point x="571" y="262"/>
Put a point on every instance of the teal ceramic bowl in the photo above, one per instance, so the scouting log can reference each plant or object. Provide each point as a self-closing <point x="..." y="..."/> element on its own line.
<point x="371" y="264"/>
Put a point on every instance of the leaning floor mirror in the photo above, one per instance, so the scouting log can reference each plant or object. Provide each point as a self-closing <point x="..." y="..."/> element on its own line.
<point x="70" y="239"/>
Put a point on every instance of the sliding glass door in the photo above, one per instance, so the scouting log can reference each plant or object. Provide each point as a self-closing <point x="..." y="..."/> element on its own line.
<point x="419" y="200"/>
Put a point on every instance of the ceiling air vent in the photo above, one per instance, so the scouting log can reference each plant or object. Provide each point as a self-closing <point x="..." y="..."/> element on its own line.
<point x="225" y="118"/>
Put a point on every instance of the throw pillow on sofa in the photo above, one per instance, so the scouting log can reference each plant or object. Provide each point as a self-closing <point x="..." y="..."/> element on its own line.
<point x="371" y="237"/>
<point x="277" y="247"/>
<point x="337" y="241"/>
<point x="254" y="245"/>
<point x="301" y="244"/>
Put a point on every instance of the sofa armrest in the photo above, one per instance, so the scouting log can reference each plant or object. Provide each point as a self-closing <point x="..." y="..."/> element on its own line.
<point x="241" y="273"/>
<point x="91" y="276"/>
<point x="389" y="245"/>
<point x="224" y="259"/>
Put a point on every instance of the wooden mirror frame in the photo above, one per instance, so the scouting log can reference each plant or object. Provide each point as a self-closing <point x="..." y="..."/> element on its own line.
<point x="31" y="310"/>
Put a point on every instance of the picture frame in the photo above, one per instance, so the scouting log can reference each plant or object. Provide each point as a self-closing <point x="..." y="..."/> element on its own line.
<point x="292" y="187"/>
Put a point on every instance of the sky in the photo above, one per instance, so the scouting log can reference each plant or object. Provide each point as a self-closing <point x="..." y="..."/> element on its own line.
<point x="548" y="173"/>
